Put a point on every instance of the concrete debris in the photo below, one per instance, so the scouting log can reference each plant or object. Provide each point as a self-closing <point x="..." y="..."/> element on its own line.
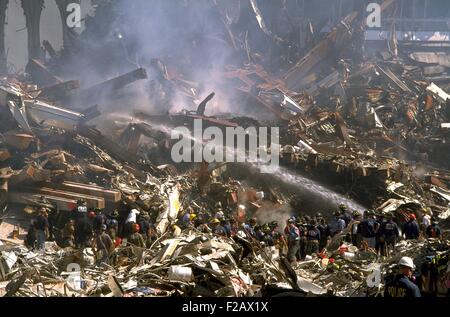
<point x="93" y="202"/>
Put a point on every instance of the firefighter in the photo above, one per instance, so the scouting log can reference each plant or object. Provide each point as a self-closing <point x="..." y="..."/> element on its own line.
<point x="356" y="237"/>
<point x="433" y="230"/>
<point x="293" y="238"/>
<point x="390" y="233"/>
<point x="312" y="238"/>
<point x="136" y="238"/>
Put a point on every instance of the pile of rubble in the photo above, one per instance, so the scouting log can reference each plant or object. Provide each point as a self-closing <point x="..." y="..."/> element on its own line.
<point x="360" y="273"/>
<point x="376" y="130"/>
<point x="192" y="264"/>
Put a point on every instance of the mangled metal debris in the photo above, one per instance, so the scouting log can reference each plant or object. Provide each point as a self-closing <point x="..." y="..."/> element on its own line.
<point x="124" y="221"/>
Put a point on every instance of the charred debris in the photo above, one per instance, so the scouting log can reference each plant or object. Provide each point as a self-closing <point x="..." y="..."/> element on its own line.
<point x="374" y="129"/>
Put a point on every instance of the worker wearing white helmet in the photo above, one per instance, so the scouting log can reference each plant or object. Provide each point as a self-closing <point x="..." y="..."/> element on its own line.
<point x="401" y="285"/>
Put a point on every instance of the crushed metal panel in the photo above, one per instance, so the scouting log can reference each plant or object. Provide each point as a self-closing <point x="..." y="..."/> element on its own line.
<point x="170" y="214"/>
<point x="438" y="92"/>
<point x="170" y="249"/>
<point x="439" y="58"/>
<point x="19" y="114"/>
<point x="53" y="116"/>
<point x="13" y="98"/>
<point x="394" y="79"/>
<point x="115" y="286"/>
<point x="310" y="287"/>
<point x="441" y="192"/>
<point x="444" y="215"/>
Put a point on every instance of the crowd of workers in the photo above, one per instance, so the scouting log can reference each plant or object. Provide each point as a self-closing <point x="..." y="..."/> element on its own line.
<point x="376" y="231"/>
<point x="301" y="236"/>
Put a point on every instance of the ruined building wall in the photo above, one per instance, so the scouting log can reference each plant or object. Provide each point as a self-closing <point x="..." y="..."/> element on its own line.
<point x="32" y="10"/>
<point x="3" y="63"/>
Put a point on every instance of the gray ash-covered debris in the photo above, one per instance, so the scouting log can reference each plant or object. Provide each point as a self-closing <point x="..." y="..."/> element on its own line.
<point x="92" y="204"/>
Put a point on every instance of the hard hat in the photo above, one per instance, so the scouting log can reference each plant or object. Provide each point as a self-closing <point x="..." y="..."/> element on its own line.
<point x="192" y="217"/>
<point x="407" y="261"/>
<point x="215" y="220"/>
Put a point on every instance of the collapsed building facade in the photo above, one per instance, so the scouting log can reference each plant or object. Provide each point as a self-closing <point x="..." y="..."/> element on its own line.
<point x="363" y="126"/>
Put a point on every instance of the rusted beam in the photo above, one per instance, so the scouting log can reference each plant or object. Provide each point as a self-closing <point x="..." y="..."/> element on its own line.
<point x="323" y="50"/>
<point x="49" y="48"/>
<point x="91" y="95"/>
<point x="92" y="201"/>
<point x="32" y="10"/>
<point x="41" y="74"/>
<point x="3" y="62"/>
<point x="63" y="204"/>
<point x="59" y="90"/>
<point x="114" y="149"/>
<point x="108" y="194"/>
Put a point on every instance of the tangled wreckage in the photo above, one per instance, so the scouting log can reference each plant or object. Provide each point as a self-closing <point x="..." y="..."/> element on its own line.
<point x="370" y="131"/>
